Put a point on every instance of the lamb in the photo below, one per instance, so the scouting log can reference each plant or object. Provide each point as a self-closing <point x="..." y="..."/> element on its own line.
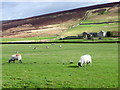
<point x="15" y="57"/>
<point x="85" y="59"/>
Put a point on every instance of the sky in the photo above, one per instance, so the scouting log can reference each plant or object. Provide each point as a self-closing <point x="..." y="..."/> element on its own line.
<point x="12" y="9"/>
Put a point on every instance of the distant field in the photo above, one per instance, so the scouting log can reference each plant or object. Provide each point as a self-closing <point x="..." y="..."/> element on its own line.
<point x="91" y="28"/>
<point x="50" y="68"/>
<point x="26" y="39"/>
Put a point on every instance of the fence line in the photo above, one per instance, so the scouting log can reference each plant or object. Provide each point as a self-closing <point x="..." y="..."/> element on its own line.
<point x="56" y="42"/>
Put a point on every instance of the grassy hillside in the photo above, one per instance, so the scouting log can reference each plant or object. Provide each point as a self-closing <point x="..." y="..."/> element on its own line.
<point x="50" y="68"/>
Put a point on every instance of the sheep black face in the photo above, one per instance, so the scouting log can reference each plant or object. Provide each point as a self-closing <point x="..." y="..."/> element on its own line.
<point x="79" y="64"/>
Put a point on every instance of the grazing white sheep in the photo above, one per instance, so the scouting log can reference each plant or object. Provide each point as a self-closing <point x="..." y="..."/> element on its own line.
<point x="35" y="48"/>
<point x="60" y="46"/>
<point x="15" y="57"/>
<point x="47" y="47"/>
<point x="52" y="43"/>
<point x="29" y="46"/>
<point x="85" y="59"/>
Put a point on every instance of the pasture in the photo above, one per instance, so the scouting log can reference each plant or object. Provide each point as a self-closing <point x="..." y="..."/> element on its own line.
<point x="50" y="68"/>
<point x="26" y="39"/>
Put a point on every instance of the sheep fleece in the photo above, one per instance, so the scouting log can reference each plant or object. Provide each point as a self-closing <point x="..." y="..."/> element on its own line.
<point x="16" y="57"/>
<point x="85" y="59"/>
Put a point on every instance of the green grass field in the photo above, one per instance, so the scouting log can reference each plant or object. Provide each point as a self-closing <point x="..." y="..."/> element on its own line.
<point x="50" y="68"/>
<point x="25" y="39"/>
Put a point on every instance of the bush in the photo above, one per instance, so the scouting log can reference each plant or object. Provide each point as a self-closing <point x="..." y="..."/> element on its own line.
<point x="109" y="34"/>
<point x="113" y="34"/>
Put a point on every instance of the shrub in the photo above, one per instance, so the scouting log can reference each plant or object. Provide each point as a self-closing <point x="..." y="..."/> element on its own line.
<point x="109" y="34"/>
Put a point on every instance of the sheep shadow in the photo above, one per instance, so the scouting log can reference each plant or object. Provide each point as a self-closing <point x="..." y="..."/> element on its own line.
<point x="73" y="67"/>
<point x="7" y="63"/>
<point x="29" y="63"/>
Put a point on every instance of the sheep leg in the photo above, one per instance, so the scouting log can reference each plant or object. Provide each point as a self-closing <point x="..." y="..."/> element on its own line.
<point x="20" y="61"/>
<point x="14" y="61"/>
<point x="90" y="64"/>
<point x="85" y="65"/>
<point x="9" y="61"/>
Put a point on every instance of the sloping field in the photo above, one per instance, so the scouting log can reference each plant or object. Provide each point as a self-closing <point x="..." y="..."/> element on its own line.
<point x="99" y="15"/>
<point x="50" y="68"/>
